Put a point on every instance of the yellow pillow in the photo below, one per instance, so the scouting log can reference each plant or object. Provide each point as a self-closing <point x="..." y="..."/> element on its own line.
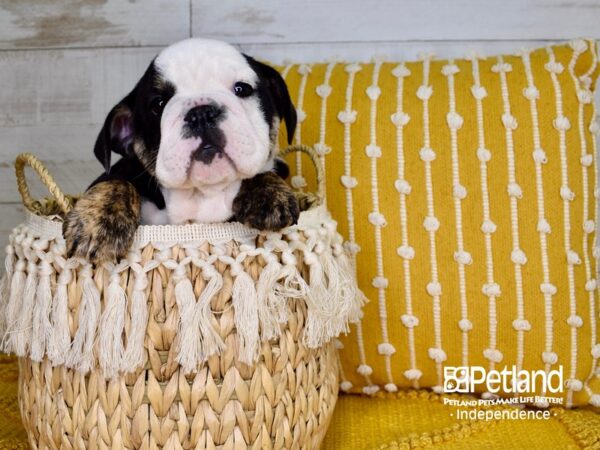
<point x="466" y="190"/>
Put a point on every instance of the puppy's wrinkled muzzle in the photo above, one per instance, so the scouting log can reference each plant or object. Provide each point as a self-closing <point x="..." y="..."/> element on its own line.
<point x="202" y="122"/>
<point x="210" y="138"/>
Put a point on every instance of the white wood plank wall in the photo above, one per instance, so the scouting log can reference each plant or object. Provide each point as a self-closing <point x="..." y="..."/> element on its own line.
<point x="63" y="64"/>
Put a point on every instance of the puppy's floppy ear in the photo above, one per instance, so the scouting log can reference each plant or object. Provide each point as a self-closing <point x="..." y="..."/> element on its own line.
<point x="117" y="133"/>
<point x="276" y="87"/>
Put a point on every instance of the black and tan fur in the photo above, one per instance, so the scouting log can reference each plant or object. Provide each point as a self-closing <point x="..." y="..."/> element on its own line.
<point x="102" y="224"/>
<point x="266" y="202"/>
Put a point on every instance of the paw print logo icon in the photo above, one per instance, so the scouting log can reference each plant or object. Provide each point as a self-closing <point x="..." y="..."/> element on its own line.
<point x="456" y="379"/>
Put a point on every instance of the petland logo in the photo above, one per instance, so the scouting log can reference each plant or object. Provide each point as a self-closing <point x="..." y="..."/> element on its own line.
<point x="509" y="380"/>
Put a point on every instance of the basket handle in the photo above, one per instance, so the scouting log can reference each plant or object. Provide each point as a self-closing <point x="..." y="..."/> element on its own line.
<point x="27" y="159"/>
<point x="314" y="157"/>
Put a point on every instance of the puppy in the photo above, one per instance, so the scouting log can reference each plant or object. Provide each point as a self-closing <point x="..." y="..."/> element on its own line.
<point x="198" y="143"/>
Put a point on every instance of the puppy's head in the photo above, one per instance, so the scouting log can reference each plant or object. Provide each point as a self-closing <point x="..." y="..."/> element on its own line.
<point x="203" y="114"/>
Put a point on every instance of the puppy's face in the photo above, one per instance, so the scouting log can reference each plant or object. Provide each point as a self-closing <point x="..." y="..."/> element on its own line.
<point x="202" y="115"/>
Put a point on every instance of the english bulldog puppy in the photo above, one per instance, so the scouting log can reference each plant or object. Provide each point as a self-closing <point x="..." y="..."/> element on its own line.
<point x="197" y="138"/>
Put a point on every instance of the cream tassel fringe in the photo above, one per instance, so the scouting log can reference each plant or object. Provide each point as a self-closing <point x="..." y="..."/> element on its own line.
<point x="23" y="327"/>
<point x="9" y="263"/>
<point x="188" y="337"/>
<point x="331" y="298"/>
<point x="14" y="285"/>
<point x="60" y="339"/>
<point x="289" y="286"/>
<point x="42" y="328"/>
<point x="112" y="325"/>
<point x="17" y="285"/>
<point x="351" y="295"/>
<point x="211" y="342"/>
<point x="197" y="338"/>
<point x="4" y="291"/>
<point x="320" y="316"/>
<point x="81" y="354"/>
<point x="271" y="305"/>
<point x="245" y="306"/>
<point x="134" y="350"/>
<point x="36" y="324"/>
<point x="293" y="287"/>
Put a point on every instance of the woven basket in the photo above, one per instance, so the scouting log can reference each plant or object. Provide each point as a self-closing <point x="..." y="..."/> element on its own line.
<point x="205" y="336"/>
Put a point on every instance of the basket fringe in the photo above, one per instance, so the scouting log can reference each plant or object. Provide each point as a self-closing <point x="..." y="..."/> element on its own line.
<point x="290" y="287"/>
<point x="210" y="340"/>
<point x="9" y="263"/>
<point x="198" y="339"/>
<point x="23" y="327"/>
<point x="134" y="349"/>
<point x="17" y="285"/>
<point x="81" y="354"/>
<point x="189" y="337"/>
<point x="60" y="338"/>
<point x="272" y="310"/>
<point x="245" y="305"/>
<point x="112" y="325"/>
<point x="331" y="298"/>
<point x="293" y="286"/>
<point x="352" y="297"/>
<point x="42" y="327"/>
<point x="107" y="327"/>
<point x="319" y="319"/>
<point x="4" y="291"/>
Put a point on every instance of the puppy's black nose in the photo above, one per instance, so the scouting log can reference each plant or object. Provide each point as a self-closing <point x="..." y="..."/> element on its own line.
<point x="203" y="116"/>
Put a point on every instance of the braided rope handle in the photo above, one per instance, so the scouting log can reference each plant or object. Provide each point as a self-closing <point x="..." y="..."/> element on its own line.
<point x="314" y="157"/>
<point x="27" y="159"/>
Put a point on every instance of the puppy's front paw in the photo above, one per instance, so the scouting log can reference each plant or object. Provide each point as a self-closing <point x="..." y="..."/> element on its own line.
<point x="102" y="224"/>
<point x="266" y="203"/>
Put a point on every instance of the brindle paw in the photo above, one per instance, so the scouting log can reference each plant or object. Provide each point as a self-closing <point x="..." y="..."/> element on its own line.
<point x="102" y="224"/>
<point x="266" y="203"/>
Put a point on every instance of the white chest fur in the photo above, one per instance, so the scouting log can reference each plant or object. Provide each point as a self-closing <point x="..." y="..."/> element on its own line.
<point x="209" y="205"/>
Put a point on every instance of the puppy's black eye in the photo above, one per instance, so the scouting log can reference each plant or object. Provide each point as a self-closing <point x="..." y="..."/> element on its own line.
<point x="157" y="104"/>
<point x="242" y="89"/>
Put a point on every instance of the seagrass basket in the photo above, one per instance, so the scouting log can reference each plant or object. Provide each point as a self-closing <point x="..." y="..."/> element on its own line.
<point x="205" y="336"/>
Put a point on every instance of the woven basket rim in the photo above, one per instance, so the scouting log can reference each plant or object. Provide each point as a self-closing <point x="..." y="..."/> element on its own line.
<point x="50" y="226"/>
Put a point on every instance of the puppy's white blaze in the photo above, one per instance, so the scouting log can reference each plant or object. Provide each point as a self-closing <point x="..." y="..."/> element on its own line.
<point x="202" y="72"/>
